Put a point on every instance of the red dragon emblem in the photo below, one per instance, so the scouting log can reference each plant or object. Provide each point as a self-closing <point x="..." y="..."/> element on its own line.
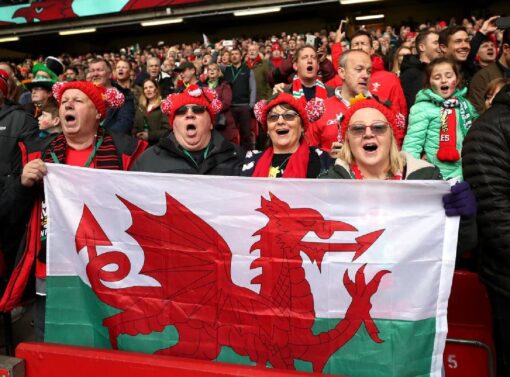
<point x="192" y="263"/>
<point x="47" y="11"/>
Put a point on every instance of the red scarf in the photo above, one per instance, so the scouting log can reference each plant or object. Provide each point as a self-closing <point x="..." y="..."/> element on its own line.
<point x="276" y="62"/>
<point x="297" y="90"/>
<point x="296" y="167"/>
<point x="106" y="155"/>
<point x="448" y="132"/>
<point x="252" y="63"/>
<point x="356" y="173"/>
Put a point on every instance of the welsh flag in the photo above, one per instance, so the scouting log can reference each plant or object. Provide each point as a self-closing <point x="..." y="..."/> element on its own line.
<point x="340" y="277"/>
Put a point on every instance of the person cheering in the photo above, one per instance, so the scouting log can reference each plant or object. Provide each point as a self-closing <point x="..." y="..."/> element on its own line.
<point x="289" y="154"/>
<point x="82" y="106"/>
<point x="193" y="147"/>
<point x="370" y="151"/>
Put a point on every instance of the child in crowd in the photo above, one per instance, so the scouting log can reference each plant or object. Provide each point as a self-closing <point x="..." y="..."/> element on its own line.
<point x="49" y="122"/>
<point x="440" y="119"/>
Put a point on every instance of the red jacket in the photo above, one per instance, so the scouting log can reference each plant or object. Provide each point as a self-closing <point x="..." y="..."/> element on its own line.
<point x="323" y="132"/>
<point x="129" y="148"/>
<point x="385" y="85"/>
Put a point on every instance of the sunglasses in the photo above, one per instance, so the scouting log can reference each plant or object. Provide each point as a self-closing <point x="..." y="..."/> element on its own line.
<point x="377" y="129"/>
<point x="288" y="116"/>
<point x="195" y="109"/>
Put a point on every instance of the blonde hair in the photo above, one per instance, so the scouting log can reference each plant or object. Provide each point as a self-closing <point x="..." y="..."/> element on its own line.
<point x="396" y="160"/>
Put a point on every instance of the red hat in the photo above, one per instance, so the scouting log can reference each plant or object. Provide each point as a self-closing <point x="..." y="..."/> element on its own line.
<point x="193" y="95"/>
<point x="395" y="121"/>
<point x="411" y="34"/>
<point x="308" y="113"/>
<point x="4" y="80"/>
<point x="101" y="97"/>
<point x="276" y="46"/>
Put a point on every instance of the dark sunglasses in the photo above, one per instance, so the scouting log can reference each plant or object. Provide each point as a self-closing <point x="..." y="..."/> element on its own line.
<point x="376" y="129"/>
<point x="289" y="116"/>
<point x="195" y="109"/>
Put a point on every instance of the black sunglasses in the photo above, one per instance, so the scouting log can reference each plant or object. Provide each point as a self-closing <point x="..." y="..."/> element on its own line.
<point x="195" y="109"/>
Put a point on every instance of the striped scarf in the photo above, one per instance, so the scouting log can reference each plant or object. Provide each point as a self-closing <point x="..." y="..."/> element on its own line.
<point x="105" y="158"/>
<point x="297" y="89"/>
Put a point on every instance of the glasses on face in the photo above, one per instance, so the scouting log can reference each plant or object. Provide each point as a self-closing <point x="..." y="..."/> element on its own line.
<point x="378" y="129"/>
<point x="288" y="116"/>
<point x="195" y="109"/>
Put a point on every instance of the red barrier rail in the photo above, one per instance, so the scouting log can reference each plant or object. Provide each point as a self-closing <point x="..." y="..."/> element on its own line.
<point x="54" y="360"/>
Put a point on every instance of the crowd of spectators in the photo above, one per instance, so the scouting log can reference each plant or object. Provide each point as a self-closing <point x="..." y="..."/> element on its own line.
<point x="435" y="82"/>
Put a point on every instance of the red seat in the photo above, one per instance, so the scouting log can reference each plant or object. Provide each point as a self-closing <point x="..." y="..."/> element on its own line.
<point x="469" y="347"/>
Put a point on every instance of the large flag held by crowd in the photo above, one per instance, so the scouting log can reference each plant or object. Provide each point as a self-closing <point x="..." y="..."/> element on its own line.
<point x="343" y="277"/>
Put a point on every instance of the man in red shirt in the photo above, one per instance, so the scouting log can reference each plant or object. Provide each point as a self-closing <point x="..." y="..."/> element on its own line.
<point x="82" y="106"/>
<point x="355" y="69"/>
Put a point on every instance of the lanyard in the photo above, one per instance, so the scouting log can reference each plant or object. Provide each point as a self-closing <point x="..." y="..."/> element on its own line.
<point x="206" y="152"/>
<point x="89" y="160"/>
<point x="235" y="74"/>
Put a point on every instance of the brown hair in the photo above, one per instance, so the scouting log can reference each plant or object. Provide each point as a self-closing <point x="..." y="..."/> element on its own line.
<point x="301" y="48"/>
<point x="143" y="100"/>
<point x="437" y="61"/>
<point x="51" y="106"/>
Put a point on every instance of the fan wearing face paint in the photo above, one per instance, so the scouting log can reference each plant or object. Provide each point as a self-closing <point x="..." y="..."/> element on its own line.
<point x="288" y="154"/>
<point x="440" y="119"/>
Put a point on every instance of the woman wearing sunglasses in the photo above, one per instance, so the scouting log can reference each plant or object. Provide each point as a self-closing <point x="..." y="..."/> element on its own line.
<point x="371" y="136"/>
<point x="288" y="154"/>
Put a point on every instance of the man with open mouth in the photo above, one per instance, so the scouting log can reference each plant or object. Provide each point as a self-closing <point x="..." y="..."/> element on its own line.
<point x="355" y="69"/>
<point x="194" y="147"/>
<point x="498" y="69"/>
<point x="455" y="44"/>
<point x="82" y="106"/>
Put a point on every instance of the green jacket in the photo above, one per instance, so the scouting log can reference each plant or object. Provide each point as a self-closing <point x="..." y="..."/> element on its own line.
<point x="425" y="122"/>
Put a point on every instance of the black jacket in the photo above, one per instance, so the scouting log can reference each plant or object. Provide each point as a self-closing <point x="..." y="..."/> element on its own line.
<point x="120" y="120"/>
<point x="486" y="166"/>
<point x="412" y="77"/>
<point x="223" y="158"/>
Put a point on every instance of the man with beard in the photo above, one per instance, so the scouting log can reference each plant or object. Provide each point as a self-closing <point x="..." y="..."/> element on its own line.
<point x="355" y="69"/>
<point x="500" y="68"/>
<point x="118" y="120"/>
<point x="194" y="147"/>
<point x="244" y="93"/>
<point x="261" y="69"/>
<point x="412" y="70"/>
